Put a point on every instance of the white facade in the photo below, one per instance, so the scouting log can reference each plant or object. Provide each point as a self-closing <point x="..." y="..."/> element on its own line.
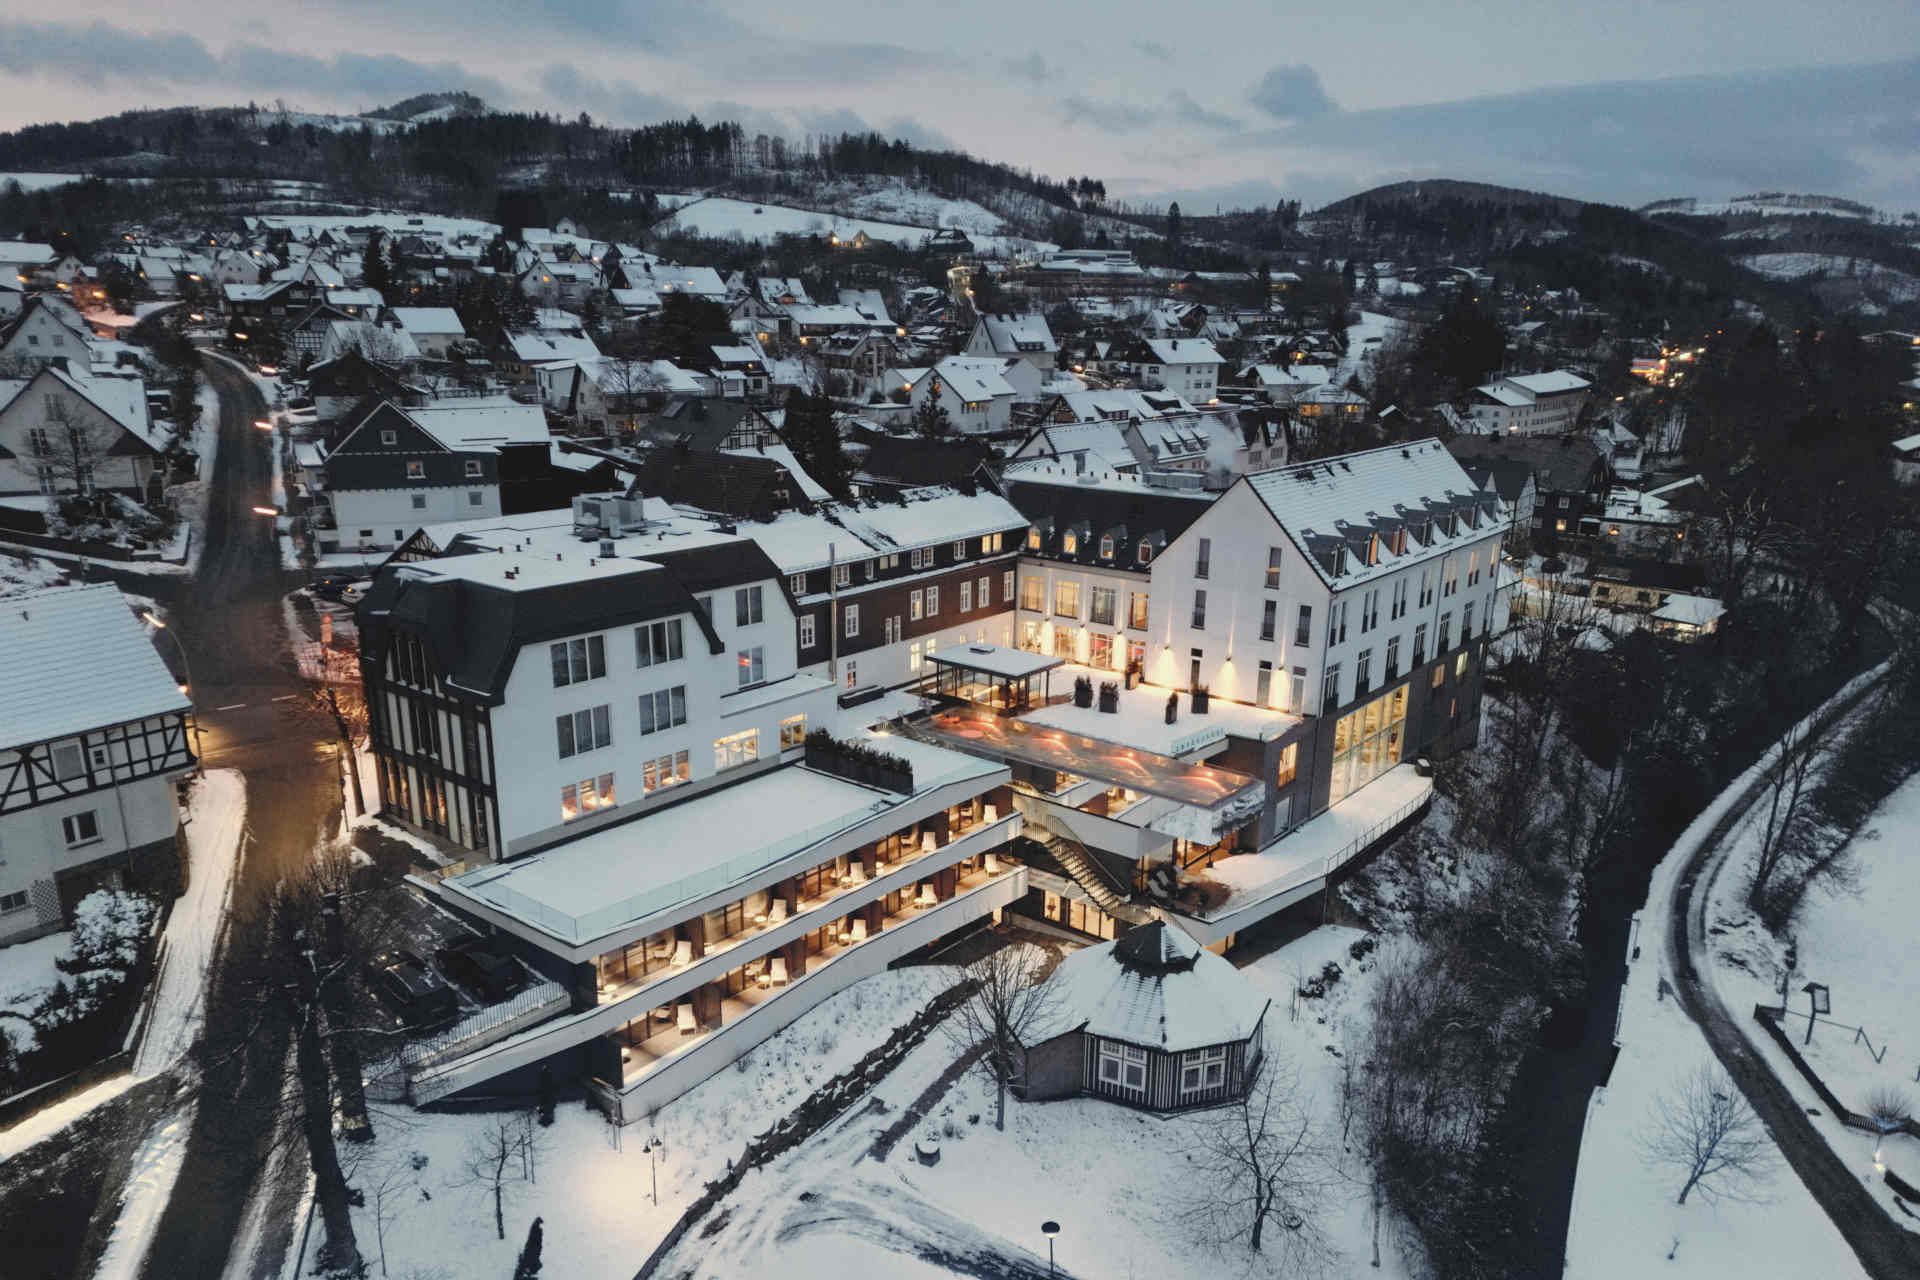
<point x="371" y="519"/>
<point x="1536" y="404"/>
<point x="38" y="845"/>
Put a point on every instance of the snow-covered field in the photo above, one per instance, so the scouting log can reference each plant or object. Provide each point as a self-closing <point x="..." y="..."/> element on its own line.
<point x="1898" y="286"/>
<point x="1364" y="340"/>
<point x="720" y="217"/>
<point x="26" y="971"/>
<point x="593" y="1182"/>
<point x="894" y="201"/>
<point x="22" y="572"/>
<point x="39" y="181"/>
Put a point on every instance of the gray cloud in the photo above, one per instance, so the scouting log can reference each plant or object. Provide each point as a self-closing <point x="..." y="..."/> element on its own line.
<point x="73" y="51"/>
<point x="1032" y="68"/>
<point x="811" y="65"/>
<point x="1793" y="130"/>
<point x="1155" y="50"/>
<point x="1187" y="111"/>
<point x="616" y="103"/>
<point x="1180" y="108"/>
<point x="661" y="26"/>
<point x="1292" y="93"/>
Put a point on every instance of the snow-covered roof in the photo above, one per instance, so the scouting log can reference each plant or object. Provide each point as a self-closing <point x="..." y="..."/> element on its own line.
<point x="834" y="316"/>
<point x="26" y="253"/>
<point x="1156" y="988"/>
<point x="1500" y="393"/>
<point x="973" y="378"/>
<point x="1907" y="444"/>
<point x="1552" y="383"/>
<point x="701" y="281"/>
<point x="77" y="659"/>
<point x="1691" y="611"/>
<point x="542" y="346"/>
<point x="1320" y="502"/>
<point x="479" y="423"/>
<point x="1012" y="335"/>
<point x="815" y="491"/>
<point x="362" y="297"/>
<point x="1184" y="351"/>
<point x="122" y="398"/>
<point x="423" y="320"/>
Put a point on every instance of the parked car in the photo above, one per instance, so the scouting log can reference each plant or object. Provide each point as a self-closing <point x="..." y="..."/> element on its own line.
<point x="420" y="996"/>
<point x="332" y="586"/>
<point x="470" y="963"/>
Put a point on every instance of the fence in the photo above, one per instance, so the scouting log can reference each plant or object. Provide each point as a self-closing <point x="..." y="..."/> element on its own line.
<point x="1771" y="1018"/>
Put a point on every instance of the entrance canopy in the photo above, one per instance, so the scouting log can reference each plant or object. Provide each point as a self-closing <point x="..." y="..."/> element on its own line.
<point x="991" y="675"/>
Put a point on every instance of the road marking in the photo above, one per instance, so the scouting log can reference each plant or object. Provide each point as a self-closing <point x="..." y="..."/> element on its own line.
<point x="286" y="697"/>
<point x="231" y="706"/>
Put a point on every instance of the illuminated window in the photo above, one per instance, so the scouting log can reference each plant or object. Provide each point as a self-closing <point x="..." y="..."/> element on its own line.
<point x="736" y="749"/>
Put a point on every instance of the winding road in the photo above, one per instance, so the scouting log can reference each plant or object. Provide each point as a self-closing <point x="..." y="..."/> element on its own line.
<point x="1887" y="1250"/>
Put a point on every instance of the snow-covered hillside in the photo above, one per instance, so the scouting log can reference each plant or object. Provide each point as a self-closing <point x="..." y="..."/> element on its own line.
<point x="1872" y="278"/>
<point x="1773" y="204"/>
<point x="721" y="217"/>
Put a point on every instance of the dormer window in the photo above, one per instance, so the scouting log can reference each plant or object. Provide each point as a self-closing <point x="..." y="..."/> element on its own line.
<point x="1146" y="552"/>
<point x="1106" y="548"/>
<point x="1070" y="542"/>
<point x="1033" y="539"/>
<point x="389" y="437"/>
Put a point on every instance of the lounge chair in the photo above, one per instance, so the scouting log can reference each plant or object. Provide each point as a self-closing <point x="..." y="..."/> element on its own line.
<point x="687" y="1024"/>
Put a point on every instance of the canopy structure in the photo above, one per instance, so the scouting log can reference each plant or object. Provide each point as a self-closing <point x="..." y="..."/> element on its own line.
<point x="990" y="675"/>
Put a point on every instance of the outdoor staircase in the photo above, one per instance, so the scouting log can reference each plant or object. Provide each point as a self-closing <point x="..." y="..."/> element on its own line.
<point x="1072" y="858"/>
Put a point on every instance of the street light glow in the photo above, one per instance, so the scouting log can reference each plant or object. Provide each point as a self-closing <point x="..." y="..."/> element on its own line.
<point x="263" y="424"/>
<point x="148" y="615"/>
<point x="266" y="511"/>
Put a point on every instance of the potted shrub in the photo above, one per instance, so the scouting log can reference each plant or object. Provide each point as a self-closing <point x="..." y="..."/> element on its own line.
<point x="1134" y="675"/>
<point x="1109" y="697"/>
<point x="1173" y="707"/>
<point x="1199" y="699"/>
<point x="1082" y="691"/>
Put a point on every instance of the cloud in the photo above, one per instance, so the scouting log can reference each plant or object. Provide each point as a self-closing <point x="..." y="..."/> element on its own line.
<point x="1187" y="111"/>
<point x="1033" y="68"/>
<point x="83" y="53"/>
<point x="800" y="65"/>
<point x="617" y="103"/>
<point x="1155" y="50"/>
<point x="1292" y="93"/>
<point x="1131" y="117"/>
<point x="661" y="26"/>
<point x="1630" y="142"/>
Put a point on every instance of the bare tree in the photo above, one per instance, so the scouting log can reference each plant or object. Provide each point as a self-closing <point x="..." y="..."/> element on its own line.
<point x="625" y="386"/>
<point x="68" y="446"/>
<point x="1704" y="1128"/>
<point x="1263" y="1178"/>
<point x="1787" y="775"/>
<point x="1010" y="1001"/>
<point x="494" y="1163"/>
<point x="391" y="1185"/>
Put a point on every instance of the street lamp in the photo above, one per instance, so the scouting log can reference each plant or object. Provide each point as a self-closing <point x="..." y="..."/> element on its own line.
<point x="1049" y="1229"/>
<point x="266" y="511"/>
<point x="654" y="1145"/>
<point x="262" y="424"/>
<point x="160" y="626"/>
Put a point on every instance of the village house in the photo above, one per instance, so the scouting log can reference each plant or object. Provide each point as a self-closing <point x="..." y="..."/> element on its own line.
<point x="66" y="431"/>
<point x="1541" y="404"/>
<point x="94" y="734"/>
<point x="1024" y="337"/>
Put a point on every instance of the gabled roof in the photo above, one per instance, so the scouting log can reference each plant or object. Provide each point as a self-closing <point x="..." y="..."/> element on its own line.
<point x="973" y="378"/>
<point x="482" y="422"/>
<point x="1565" y="464"/>
<point x="76" y="659"/>
<point x="1132" y="515"/>
<point x="424" y="320"/>
<point x="729" y="484"/>
<point x="1331" y="502"/>
<point x="1015" y="335"/>
<point x="122" y="399"/>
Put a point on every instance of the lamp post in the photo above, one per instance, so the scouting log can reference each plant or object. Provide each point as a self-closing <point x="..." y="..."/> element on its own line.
<point x="189" y="688"/>
<point x="1050" y="1229"/>
<point x="653" y="1147"/>
<point x="1818" y="1002"/>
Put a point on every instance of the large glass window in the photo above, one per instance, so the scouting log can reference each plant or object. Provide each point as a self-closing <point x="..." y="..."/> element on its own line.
<point x="1203" y="1069"/>
<point x="1031" y="594"/>
<point x="1066" y="599"/>
<point x="746" y="606"/>
<point x="1100" y="607"/>
<point x="1367" y="742"/>
<point x="657" y="642"/>
<point x="583" y="731"/>
<point x="1137" y="615"/>
<point x="663" y="709"/>
<point x="1123" y="1067"/>
<point x="735" y="750"/>
<point x="752" y="664"/>
<point x="577" y="660"/>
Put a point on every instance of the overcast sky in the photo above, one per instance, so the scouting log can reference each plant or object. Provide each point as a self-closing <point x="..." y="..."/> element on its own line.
<point x="1207" y="101"/>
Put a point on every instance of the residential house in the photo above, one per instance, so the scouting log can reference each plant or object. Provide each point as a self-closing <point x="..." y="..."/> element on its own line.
<point x="977" y="398"/>
<point x="390" y="472"/>
<point x="67" y="431"/>
<point x="739" y="372"/>
<point x="93" y="730"/>
<point x="434" y="330"/>
<point x="48" y="328"/>
<point x="1025" y="337"/>
<point x="1570" y="480"/>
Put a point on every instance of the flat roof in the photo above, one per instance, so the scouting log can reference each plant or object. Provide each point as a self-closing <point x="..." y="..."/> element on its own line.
<point x="1199" y="785"/>
<point x="591" y="886"/>
<point x="996" y="660"/>
<point x="1141" y="721"/>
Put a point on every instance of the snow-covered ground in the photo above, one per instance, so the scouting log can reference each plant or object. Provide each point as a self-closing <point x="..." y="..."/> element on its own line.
<point x="895" y="201"/>
<point x="216" y="821"/>
<point x="190" y="499"/>
<point x="39" y="181"/>
<point x="719" y="217"/>
<point x="593" y="1183"/>
<point x="1363" y="341"/>
<point x="156" y="1167"/>
<point x="1625" y="1220"/>
<point x="27" y="969"/>
<point x="1857" y="942"/>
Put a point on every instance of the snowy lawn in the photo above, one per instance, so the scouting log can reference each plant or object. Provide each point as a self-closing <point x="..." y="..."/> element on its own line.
<point x="22" y="572"/>
<point x="720" y="217"/>
<point x="26" y="971"/>
<point x="1858" y="943"/>
<point x="592" y="1182"/>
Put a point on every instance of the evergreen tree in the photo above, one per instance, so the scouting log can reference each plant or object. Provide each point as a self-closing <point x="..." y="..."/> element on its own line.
<point x="812" y="434"/>
<point x="931" y="421"/>
<point x="546" y="1095"/>
<point x="374" y="271"/>
<point x="1173" y="221"/>
<point x="528" y="1267"/>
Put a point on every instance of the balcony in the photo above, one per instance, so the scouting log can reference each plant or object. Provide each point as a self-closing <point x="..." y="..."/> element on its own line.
<point x="666" y="1049"/>
<point x="974" y="836"/>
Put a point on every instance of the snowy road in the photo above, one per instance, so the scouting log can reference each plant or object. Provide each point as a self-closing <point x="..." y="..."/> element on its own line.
<point x="217" y="815"/>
